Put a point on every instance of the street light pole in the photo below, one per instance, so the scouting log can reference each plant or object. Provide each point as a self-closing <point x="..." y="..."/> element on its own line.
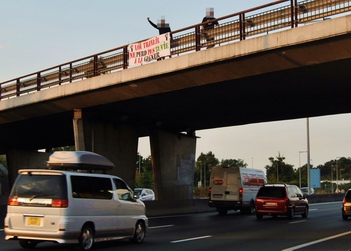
<point x="300" y="166"/>
<point x="308" y="155"/>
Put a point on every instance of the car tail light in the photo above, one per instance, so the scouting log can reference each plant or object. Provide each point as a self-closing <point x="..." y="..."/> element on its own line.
<point x="12" y="201"/>
<point x="59" y="203"/>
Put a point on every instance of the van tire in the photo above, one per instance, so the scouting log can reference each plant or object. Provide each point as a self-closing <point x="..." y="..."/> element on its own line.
<point x="249" y="210"/>
<point x="86" y="239"/>
<point x="28" y="243"/>
<point x="139" y="233"/>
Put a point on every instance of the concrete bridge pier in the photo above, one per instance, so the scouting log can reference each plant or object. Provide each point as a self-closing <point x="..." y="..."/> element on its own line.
<point x="22" y="159"/>
<point x="173" y="162"/>
<point x="118" y="143"/>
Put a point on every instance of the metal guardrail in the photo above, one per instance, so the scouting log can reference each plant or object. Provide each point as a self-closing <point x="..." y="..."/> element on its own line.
<point x="235" y="27"/>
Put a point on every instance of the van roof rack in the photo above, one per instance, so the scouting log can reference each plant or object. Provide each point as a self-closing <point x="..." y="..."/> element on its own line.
<point x="78" y="160"/>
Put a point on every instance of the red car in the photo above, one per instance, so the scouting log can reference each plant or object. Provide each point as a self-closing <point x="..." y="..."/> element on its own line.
<point x="281" y="199"/>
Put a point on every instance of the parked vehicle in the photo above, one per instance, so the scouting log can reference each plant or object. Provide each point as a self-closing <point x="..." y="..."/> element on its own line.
<point x="281" y="199"/>
<point x="68" y="204"/>
<point x="144" y="194"/>
<point x="346" y="205"/>
<point x="235" y="188"/>
<point x="304" y="190"/>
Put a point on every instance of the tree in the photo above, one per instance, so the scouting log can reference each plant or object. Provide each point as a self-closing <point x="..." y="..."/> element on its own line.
<point x="280" y="172"/>
<point x="144" y="177"/>
<point x="233" y="162"/>
<point x="203" y="167"/>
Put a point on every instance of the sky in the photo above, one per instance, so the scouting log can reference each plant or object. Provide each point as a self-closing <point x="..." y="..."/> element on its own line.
<point x="38" y="34"/>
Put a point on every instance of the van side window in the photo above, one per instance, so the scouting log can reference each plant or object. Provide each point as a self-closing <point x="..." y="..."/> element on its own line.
<point x="91" y="187"/>
<point x="123" y="191"/>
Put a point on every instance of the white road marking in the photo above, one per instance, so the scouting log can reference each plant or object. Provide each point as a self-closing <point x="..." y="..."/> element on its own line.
<point x="300" y="221"/>
<point x="155" y="227"/>
<point x="316" y="241"/>
<point x="192" y="239"/>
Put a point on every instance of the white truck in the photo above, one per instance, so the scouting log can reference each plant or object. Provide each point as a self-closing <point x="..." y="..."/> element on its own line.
<point x="235" y="188"/>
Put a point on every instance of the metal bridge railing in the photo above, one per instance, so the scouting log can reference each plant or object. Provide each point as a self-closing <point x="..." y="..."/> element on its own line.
<point x="283" y="14"/>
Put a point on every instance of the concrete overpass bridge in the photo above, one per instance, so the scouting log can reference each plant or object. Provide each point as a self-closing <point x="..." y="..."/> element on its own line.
<point x="279" y="61"/>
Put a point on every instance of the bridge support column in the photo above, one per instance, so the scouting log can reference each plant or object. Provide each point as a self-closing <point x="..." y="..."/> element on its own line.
<point x="118" y="143"/>
<point x="21" y="159"/>
<point x="173" y="162"/>
<point x="78" y="130"/>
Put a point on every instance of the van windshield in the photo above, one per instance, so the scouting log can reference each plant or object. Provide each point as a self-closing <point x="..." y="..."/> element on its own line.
<point x="40" y="186"/>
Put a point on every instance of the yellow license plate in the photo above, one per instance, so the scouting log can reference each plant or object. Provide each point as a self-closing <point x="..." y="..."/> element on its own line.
<point x="33" y="221"/>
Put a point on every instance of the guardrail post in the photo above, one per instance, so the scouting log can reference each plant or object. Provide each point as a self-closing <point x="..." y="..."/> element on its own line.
<point x="70" y="73"/>
<point x="60" y="75"/>
<point x="18" y="87"/>
<point x="197" y="38"/>
<point x="125" y="57"/>
<point x="96" y="65"/>
<point x="38" y="81"/>
<point x="242" y="26"/>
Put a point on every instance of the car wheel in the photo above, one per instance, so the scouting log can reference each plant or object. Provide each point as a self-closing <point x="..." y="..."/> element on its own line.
<point x="139" y="233"/>
<point x="305" y="213"/>
<point x="291" y="213"/>
<point x="259" y="216"/>
<point x="86" y="239"/>
<point x="28" y="243"/>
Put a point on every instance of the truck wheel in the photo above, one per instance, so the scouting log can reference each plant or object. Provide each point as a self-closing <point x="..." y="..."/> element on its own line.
<point x="86" y="239"/>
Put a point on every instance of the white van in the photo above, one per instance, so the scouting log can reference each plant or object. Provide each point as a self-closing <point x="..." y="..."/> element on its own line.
<point x="235" y="188"/>
<point x="70" y="203"/>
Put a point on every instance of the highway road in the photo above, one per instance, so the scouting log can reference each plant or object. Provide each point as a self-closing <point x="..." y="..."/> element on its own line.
<point x="324" y="229"/>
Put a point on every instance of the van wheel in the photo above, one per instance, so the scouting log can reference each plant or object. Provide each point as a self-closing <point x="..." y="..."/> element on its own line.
<point x="28" y="243"/>
<point x="86" y="239"/>
<point x="252" y="208"/>
<point x="139" y="233"/>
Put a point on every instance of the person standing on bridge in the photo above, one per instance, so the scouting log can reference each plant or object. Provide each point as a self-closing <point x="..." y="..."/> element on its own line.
<point x="163" y="28"/>
<point x="207" y="25"/>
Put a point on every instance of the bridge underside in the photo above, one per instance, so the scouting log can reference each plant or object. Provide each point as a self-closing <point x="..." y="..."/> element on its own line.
<point x="309" y="91"/>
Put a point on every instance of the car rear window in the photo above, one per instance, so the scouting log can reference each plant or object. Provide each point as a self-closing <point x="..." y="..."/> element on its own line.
<point x="272" y="192"/>
<point x="40" y="186"/>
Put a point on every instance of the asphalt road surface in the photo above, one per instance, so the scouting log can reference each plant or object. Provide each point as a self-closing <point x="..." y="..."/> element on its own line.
<point x="324" y="229"/>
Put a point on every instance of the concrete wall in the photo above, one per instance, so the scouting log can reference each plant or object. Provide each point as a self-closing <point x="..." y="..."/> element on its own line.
<point x="173" y="163"/>
<point x="118" y="143"/>
<point x="22" y="159"/>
